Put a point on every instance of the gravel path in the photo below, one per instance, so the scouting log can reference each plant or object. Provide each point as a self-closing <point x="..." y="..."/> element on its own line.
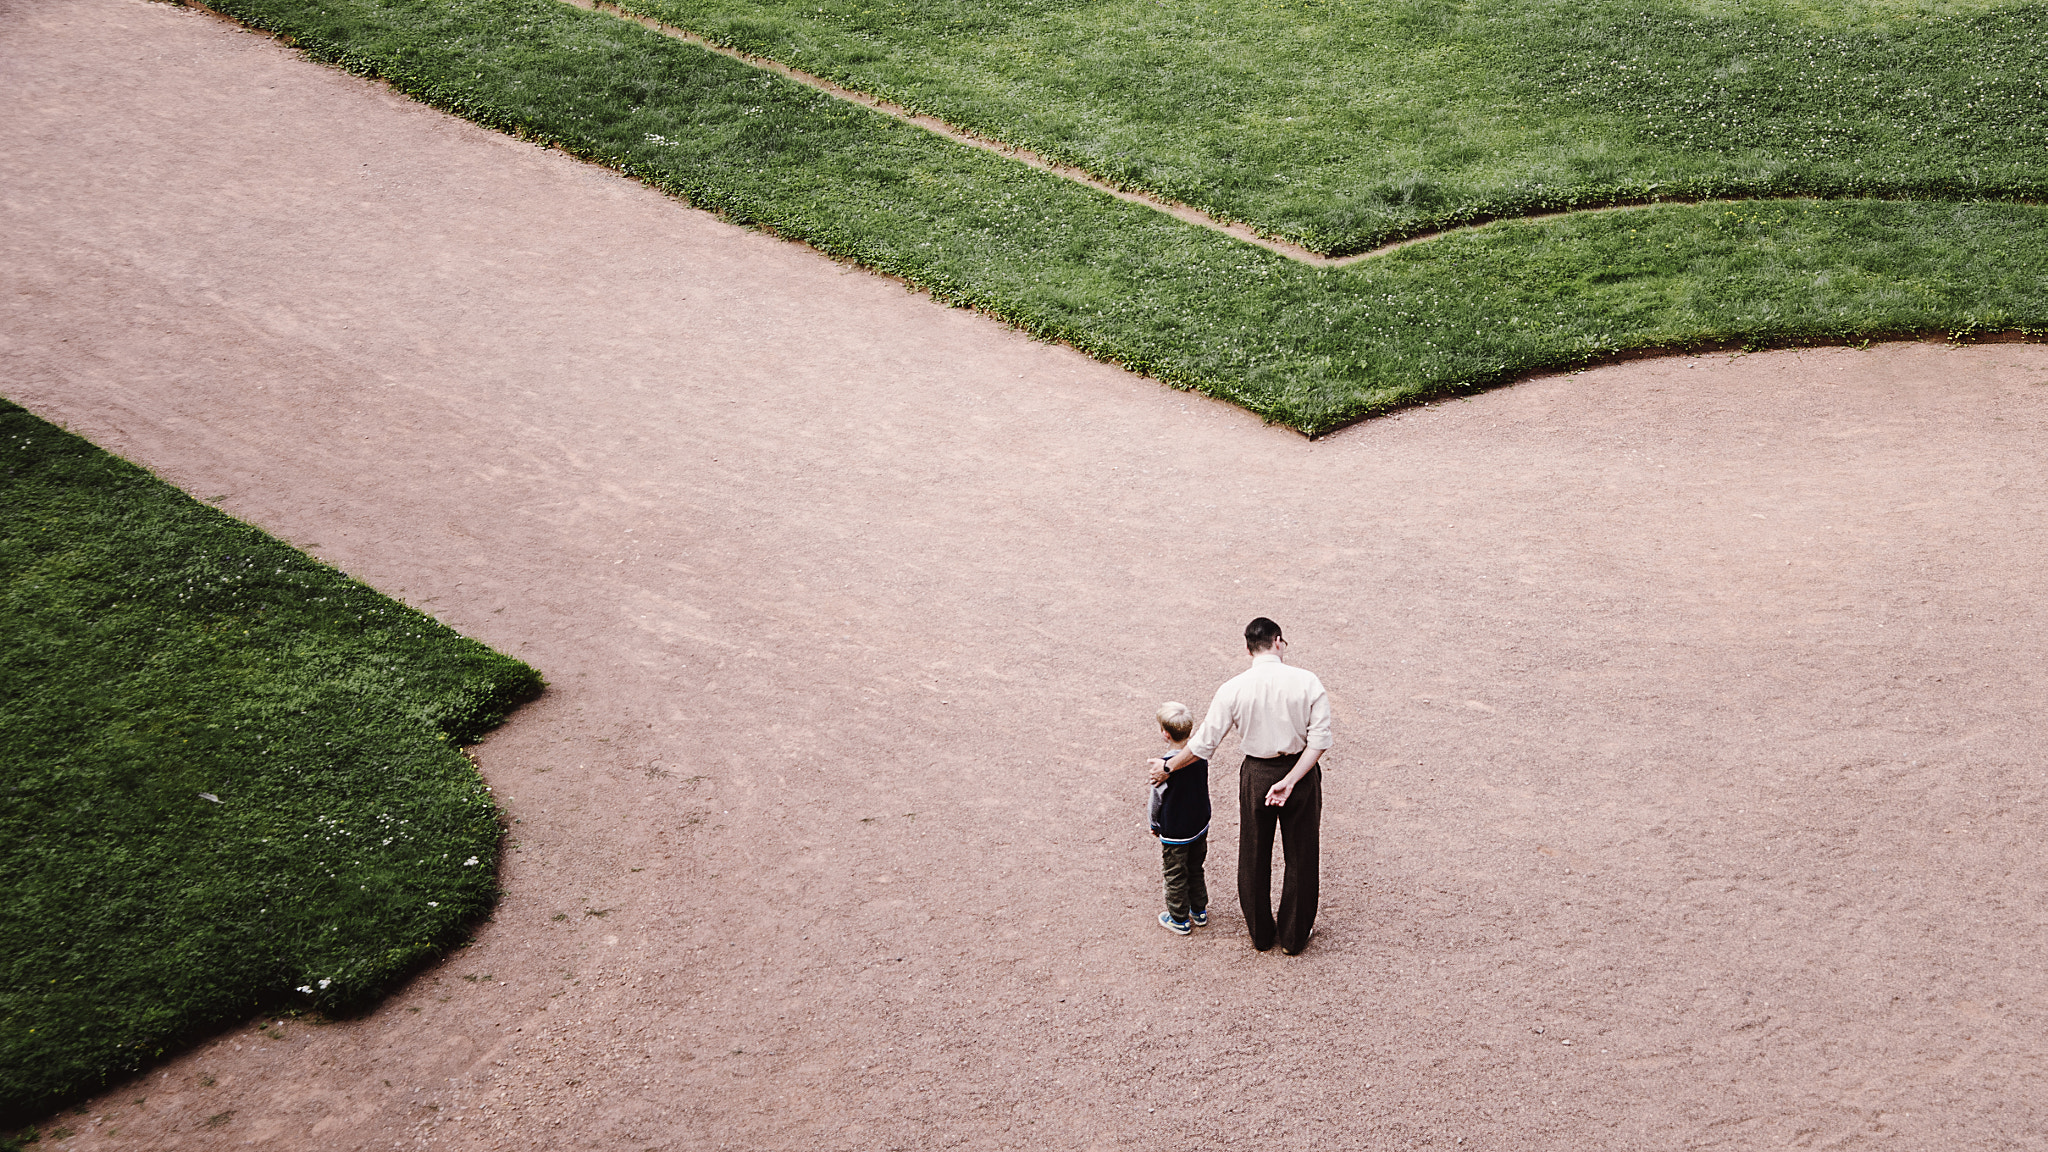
<point x="1687" y="790"/>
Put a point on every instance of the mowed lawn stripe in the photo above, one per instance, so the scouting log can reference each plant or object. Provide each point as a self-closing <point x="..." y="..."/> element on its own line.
<point x="1308" y="347"/>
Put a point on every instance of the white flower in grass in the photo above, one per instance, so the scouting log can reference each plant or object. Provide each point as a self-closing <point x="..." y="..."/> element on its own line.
<point x="433" y="903"/>
<point x="325" y="983"/>
<point x="306" y="988"/>
<point x="469" y="863"/>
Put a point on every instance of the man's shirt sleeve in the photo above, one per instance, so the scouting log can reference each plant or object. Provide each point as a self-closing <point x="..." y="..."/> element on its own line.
<point x="1319" y="718"/>
<point x="1214" y="727"/>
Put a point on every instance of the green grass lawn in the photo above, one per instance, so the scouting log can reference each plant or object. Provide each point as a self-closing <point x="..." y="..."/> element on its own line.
<point x="230" y="778"/>
<point x="1311" y="348"/>
<point x="1341" y="124"/>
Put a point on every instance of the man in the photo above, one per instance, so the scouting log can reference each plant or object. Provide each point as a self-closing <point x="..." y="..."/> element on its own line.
<point x="1282" y="716"/>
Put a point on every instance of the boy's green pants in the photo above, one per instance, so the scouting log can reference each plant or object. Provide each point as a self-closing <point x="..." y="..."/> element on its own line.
<point x="1185" y="887"/>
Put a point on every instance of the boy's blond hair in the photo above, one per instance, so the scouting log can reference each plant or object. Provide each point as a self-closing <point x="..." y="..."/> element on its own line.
<point x="1176" y="721"/>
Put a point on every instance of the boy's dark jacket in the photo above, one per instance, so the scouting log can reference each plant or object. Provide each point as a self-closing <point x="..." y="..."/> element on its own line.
<point x="1185" y="812"/>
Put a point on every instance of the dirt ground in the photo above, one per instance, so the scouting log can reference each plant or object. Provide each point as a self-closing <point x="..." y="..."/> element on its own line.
<point x="1687" y="788"/>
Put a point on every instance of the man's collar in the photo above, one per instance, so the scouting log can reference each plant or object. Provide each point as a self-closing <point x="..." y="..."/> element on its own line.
<point x="1268" y="654"/>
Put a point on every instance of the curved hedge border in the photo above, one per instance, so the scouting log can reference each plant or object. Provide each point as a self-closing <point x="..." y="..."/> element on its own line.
<point x="1311" y="348"/>
<point x="231" y="778"/>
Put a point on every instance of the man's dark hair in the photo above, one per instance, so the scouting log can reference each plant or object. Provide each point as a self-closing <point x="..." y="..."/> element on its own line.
<point x="1260" y="634"/>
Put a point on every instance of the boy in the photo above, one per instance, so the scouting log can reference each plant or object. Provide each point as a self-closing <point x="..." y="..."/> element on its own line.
<point x="1180" y="819"/>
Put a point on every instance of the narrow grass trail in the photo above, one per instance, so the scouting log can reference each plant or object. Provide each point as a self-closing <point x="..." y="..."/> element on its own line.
<point x="1685" y="787"/>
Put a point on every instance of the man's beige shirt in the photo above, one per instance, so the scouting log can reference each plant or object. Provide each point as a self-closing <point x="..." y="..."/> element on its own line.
<point x="1276" y="708"/>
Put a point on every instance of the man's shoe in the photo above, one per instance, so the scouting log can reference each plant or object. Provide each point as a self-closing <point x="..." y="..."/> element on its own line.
<point x="1199" y="917"/>
<point x="1304" y="944"/>
<point x="1177" y="927"/>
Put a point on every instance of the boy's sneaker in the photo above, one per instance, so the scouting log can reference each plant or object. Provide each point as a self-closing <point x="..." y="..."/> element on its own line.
<point x="1177" y="927"/>
<point x="1199" y="917"/>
